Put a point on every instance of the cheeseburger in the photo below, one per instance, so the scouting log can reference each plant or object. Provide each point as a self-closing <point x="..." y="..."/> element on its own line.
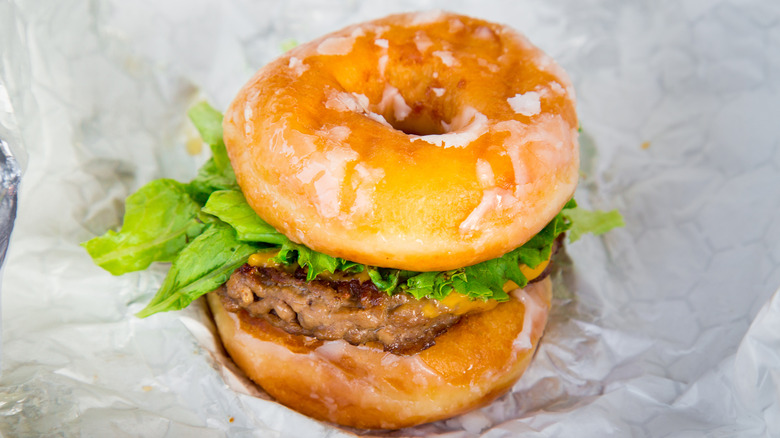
<point x="376" y="224"/>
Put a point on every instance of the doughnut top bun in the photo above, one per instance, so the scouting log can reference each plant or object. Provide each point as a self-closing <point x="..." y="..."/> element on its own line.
<point x="422" y="141"/>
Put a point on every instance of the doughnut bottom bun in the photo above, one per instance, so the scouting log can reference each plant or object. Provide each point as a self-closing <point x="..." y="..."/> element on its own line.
<point x="471" y="364"/>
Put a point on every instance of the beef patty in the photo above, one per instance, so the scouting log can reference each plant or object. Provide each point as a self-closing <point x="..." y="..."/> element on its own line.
<point x="350" y="309"/>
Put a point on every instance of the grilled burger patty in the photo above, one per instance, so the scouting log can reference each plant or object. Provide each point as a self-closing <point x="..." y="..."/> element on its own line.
<point x="328" y="310"/>
<point x="348" y="309"/>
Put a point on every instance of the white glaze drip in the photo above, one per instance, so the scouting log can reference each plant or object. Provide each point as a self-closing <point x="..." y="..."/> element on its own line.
<point x="493" y="199"/>
<point x="391" y="97"/>
<point x="456" y="25"/>
<point x="378" y="117"/>
<point x="446" y="57"/>
<point x="335" y="134"/>
<point x="545" y="138"/>
<point x="527" y="104"/>
<point x="535" y="309"/>
<point x="325" y="172"/>
<point x="484" y="33"/>
<point x="382" y="64"/>
<point x="364" y="184"/>
<point x="278" y="143"/>
<point x="297" y="66"/>
<point x="556" y="87"/>
<point x="352" y="102"/>
<point x="422" y="41"/>
<point x="339" y="45"/>
<point x="520" y="171"/>
<point x="248" y="127"/>
<point x="468" y="126"/>
<point x="485" y="174"/>
<point x="346" y="102"/>
<point x="427" y="17"/>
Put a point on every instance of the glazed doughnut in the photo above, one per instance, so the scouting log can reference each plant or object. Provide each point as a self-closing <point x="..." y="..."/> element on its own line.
<point x="422" y="141"/>
<point x="471" y="364"/>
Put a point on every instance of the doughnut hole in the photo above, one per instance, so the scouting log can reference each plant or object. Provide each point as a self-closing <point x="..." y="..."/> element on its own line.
<point x="404" y="93"/>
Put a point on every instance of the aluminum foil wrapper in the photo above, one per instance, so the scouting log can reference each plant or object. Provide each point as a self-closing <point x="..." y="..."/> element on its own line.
<point x="668" y="327"/>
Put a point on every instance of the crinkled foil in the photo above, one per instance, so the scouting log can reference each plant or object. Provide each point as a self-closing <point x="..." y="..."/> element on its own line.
<point x="670" y="326"/>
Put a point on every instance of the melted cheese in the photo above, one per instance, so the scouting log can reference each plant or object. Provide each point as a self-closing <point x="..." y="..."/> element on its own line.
<point x="530" y="274"/>
<point x="457" y="304"/>
<point x="460" y="304"/>
<point x="263" y="259"/>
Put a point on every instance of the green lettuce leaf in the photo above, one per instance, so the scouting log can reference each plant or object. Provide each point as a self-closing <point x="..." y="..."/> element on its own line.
<point x="209" y="180"/>
<point x="160" y="220"/>
<point x="595" y="222"/>
<point x="208" y="122"/>
<point x="231" y="207"/>
<point x="201" y="267"/>
<point x="315" y="262"/>
<point x="216" y="173"/>
<point x="288" y="45"/>
<point x="385" y="279"/>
